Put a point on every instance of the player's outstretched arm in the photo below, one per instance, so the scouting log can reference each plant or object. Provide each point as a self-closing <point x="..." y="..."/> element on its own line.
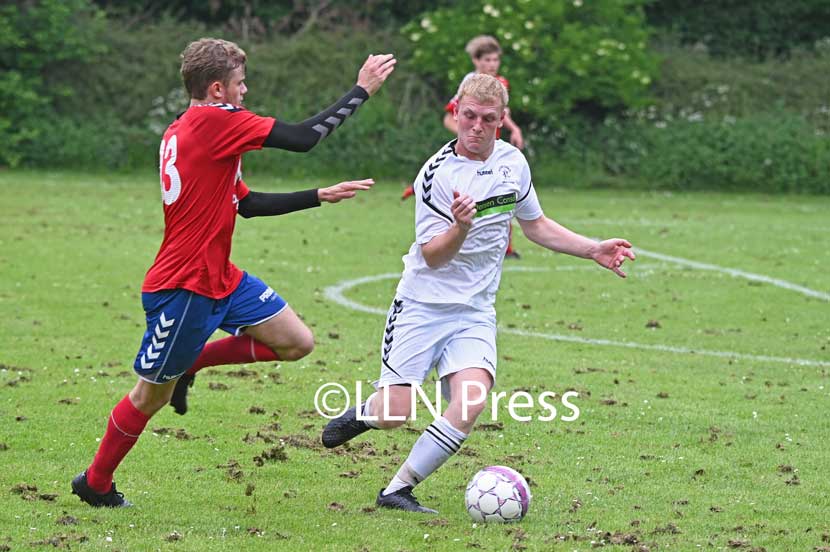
<point x="442" y="248"/>
<point x="344" y="190"/>
<point x="610" y="254"/>
<point x="516" y="137"/>
<point x="375" y="71"/>
<point x="301" y="137"/>
<point x="262" y="204"/>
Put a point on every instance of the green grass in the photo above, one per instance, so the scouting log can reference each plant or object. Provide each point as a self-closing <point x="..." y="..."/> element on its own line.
<point x="695" y="451"/>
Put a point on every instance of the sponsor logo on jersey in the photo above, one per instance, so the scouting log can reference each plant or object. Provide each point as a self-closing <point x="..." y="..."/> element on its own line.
<point x="485" y="172"/>
<point x="496" y="204"/>
<point x="267" y="294"/>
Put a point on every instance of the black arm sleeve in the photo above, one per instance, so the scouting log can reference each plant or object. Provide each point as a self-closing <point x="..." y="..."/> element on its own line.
<point x="304" y="136"/>
<point x="258" y="204"/>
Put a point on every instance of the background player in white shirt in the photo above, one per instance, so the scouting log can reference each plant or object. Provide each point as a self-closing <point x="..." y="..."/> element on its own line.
<point x="443" y="314"/>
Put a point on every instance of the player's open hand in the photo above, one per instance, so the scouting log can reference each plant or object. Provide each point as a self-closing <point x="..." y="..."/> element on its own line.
<point x="612" y="254"/>
<point x="374" y="72"/>
<point x="344" y="190"/>
<point x="463" y="210"/>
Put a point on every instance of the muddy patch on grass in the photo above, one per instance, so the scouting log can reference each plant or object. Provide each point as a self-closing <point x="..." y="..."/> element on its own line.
<point x="61" y="540"/>
<point x="179" y="433"/>
<point x="234" y="470"/>
<point x="30" y="492"/>
<point x="274" y="454"/>
<point x="67" y="520"/>
<point x="242" y="373"/>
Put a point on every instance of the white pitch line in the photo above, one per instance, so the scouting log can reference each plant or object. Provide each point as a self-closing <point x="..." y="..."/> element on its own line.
<point x="664" y="348"/>
<point x="736" y="273"/>
<point x="336" y="293"/>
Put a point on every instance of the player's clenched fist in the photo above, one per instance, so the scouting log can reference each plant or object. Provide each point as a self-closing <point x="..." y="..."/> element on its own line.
<point x="374" y="72"/>
<point x="463" y="210"/>
<point x="344" y="190"/>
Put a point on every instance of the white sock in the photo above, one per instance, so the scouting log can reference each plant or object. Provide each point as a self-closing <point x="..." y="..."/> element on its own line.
<point x="435" y="445"/>
<point x="367" y="411"/>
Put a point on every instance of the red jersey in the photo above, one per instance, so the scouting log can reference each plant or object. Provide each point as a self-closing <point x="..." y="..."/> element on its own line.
<point x="200" y="161"/>
<point x="453" y="103"/>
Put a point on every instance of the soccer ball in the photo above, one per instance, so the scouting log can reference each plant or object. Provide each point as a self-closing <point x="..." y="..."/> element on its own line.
<point x="497" y="494"/>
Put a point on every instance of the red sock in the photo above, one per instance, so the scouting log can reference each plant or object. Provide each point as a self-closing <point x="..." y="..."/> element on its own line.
<point x="125" y="425"/>
<point x="239" y="349"/>
<point x="408" y="192"/>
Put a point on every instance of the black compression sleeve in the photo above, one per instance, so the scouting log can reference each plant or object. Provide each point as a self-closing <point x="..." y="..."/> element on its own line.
<point x="259" y="204"/>
<point x="304" y="136"/>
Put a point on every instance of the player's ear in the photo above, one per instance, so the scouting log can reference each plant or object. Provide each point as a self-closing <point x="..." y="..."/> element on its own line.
<point x="216" y="90"/>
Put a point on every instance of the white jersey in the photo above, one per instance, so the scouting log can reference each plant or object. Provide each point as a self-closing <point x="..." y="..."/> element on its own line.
<point x="501" y="187"/>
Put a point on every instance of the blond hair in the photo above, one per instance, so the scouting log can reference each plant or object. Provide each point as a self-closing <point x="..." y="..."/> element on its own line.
<point x="482" y="45"/>
<point x="208" y="60"/>
<point x="483" y="88"/>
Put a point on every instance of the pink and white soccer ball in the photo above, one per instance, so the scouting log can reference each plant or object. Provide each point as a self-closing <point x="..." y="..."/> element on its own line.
<point x="497" y="494"/>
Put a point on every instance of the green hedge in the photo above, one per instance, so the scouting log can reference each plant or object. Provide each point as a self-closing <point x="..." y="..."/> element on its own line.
<point x="758" y="29"/>
<point x="768" y="152"/>
<point x="713" y="123"/>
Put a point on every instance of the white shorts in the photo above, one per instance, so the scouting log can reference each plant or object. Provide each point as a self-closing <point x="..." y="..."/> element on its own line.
<point x="451" y="337"/>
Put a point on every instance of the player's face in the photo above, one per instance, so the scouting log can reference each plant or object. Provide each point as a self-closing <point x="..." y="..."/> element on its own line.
<point x="236" y="89"/>
<point x="488" y="64"/>
<point x="477" y="125"/>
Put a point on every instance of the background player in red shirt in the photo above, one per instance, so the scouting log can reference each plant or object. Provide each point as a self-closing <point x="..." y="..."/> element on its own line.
<point x="485" y="53"/>
<point x="192" y="288"/>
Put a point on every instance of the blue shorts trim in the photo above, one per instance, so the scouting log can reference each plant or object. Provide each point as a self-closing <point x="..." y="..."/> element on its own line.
<point x="179" y="323"/>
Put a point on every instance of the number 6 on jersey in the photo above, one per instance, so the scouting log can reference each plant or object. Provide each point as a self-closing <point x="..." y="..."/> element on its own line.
<point x="171" y="189"/>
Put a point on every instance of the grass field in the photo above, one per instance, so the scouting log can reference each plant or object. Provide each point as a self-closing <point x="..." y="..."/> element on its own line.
<point x="673" y="449"/>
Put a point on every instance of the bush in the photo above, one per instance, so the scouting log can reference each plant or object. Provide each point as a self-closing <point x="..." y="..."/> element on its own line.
<point x="763" y="153"/>
<point x="759" y="30"/>
<point x="777" y="152"/>
<point x="41" y="43"/>
<point x="558" y="54"/>
<point x="118" y="106"/>
<point x="692" y="81"/>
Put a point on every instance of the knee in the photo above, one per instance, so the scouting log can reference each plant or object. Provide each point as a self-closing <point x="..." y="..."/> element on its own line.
<point x="298" y="350"/>
<point x="396" y="415"/>
<point x="474" y="408"/>
<point x="389" y="424"/>
<point x="148" y="404"/>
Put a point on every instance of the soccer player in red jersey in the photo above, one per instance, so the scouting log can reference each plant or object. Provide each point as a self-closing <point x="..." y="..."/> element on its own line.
<point x="192" y="288"/>
<point x="485" y="53"/>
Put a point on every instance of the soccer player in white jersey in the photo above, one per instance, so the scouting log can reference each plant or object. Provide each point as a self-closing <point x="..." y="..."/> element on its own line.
<point x="443" y="314"/>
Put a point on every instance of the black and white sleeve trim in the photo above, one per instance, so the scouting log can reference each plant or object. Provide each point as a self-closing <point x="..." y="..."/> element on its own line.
<point x="530" y="187"/>
<point x="429" y="174"/>
<point x="304" y="136"/>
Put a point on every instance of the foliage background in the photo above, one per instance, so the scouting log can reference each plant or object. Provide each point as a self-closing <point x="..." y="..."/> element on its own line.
<point x="667" y="94"/>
